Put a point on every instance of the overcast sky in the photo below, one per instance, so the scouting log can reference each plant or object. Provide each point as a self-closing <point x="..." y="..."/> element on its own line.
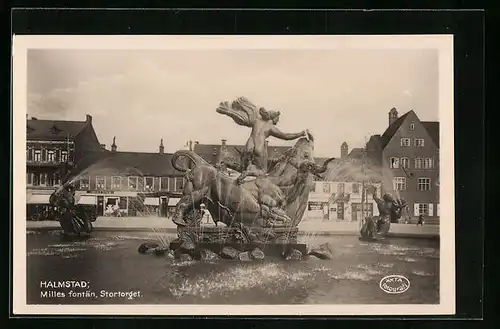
<point x="142" y="96"/>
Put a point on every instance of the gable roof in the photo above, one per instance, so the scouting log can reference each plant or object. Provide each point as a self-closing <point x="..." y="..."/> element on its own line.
<point x="432" y="128"/>
<point x="357" y="152"/>
<point x="53" y="129"/>
<point x="127" y="164"/>
<point x="391" y="130"/>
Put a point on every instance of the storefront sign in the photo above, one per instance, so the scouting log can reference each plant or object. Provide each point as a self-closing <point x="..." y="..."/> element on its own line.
<point x="315" y="206"/>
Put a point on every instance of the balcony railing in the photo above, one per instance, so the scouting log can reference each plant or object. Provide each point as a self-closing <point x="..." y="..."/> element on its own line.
<point x="47" y="163"/>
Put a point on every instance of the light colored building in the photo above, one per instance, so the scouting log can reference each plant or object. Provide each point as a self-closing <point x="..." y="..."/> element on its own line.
<point x="341" y="201"/>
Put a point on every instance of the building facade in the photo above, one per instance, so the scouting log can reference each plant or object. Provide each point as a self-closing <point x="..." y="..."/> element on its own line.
<point x="408" y="152"/>
<point x="129" y="183"/>
<point x="53" y="147"/>
<point x="342" y="201"/>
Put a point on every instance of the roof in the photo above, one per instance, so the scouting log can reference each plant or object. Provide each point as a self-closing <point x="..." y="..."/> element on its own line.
<point x="53" y="129"/>
<point x="432" y="128"/>
<point x="357" y="152"/>
<point x="391" y="130"/>
<point x="127" y="163"/>
<point x="206" y="151"/>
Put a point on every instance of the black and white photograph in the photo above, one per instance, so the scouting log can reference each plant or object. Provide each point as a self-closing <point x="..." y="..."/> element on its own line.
<point x="242" y="175"/>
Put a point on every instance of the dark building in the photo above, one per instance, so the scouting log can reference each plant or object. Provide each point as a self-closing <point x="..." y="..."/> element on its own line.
<point x="408" y="152"/>
<point x="129" y="183"/>
<point x="51" y="146"/>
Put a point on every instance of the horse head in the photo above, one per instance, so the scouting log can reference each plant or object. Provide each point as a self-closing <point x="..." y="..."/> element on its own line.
<point x="293" y="172"/>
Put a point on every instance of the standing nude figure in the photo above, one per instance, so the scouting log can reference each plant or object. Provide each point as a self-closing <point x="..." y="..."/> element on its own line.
<point x="263" y="124"/>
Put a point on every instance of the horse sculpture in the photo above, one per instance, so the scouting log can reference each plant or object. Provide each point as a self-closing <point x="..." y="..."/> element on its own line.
<point x="279" y="198"/>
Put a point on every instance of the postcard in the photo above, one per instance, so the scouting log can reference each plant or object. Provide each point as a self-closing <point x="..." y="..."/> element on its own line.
<point x="233" y="175"/>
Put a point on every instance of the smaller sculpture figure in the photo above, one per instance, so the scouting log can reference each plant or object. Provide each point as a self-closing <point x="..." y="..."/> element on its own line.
<point x="74" y="219"/>
<point x="263" y="124"/>
<point x="390" y="211"/>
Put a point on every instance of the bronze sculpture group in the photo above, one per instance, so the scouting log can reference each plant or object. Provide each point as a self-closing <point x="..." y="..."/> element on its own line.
<point x="269" y="196"/>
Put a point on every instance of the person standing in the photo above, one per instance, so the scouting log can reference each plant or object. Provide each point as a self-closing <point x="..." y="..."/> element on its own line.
<point x="420" y="220"/>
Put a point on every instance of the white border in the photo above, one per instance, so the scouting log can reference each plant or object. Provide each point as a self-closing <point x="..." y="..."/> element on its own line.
<point x="442" y="43"/>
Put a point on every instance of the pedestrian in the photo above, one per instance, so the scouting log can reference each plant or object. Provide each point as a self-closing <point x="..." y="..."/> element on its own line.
<point x="420" y="220"/>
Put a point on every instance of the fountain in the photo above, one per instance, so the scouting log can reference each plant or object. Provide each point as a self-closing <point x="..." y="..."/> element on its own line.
<point x="261" y="208"/>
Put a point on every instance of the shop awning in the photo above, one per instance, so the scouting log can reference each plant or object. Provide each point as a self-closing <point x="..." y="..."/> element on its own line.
<point x="152" y="201"/>
<point x="87" y="199"/>
<point x="173" y="201"/>
<point x="38" y="199"/>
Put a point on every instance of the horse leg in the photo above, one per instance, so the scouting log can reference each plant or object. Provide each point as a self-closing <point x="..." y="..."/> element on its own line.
<point x="187" y="202"/>
<point x="274" y="214"/>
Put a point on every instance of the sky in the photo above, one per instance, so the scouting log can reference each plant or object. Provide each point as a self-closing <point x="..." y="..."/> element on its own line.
<point x="142" y="96"/>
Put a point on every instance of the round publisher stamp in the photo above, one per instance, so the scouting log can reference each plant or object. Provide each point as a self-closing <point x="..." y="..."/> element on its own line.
<point x="394" y="284"/>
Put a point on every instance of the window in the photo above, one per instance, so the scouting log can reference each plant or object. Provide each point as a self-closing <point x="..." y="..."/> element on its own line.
<point x="428" y="163"/>
<point x="64" y="156"/>
<point x="419" y="142"/>
<point x="57" y="179"/>
<point x="424" y="184"/>
<point x="148" y="183"/>
<point x="123" y="202"/>
<point x="399" y="183"/>
<point x="29" y="155"/>
<point x="36" y="179"/>
<point x="340" y="188"/>
<point x="100" y="182"/>
<point x="164" y="183"/>
<point x="44" y="155"/>
<point x="412" y="126"/>
<point x="43" y="179"/>
<point x="132" y="183"/>
<point x="355" y="188"/>
<point x="116" y="182"/>
<point x="50" y="180"/>
<point x="171" y="184"/>
<point x="423" y="209"/>
<point x="419" y="163"/>
<point x="51" y="156"/>
<point x="84" y="183"/>
<point x="179" y="183"/>
<point x="394" y="163"/>
<point x="29" y="178"/>
<point x="326" y="188"/>
<point x="405" y="163"/>
<point x="38" y="155"/>
<point x="405" y="142"/>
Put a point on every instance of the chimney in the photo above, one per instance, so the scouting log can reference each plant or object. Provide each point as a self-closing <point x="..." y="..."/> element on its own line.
<point x="393" y="116"/>
<point x="113" y="146"/>
<point x="223" y="142"/>
<point x="190" y="145"/>
<point x="103" y="146"/>
<point x="162" y="149"/>
<point x="33" y="118"/>
<point x="196" y="142"/>
<point x="344" y="150"/>
<point x="88" y="118"/>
